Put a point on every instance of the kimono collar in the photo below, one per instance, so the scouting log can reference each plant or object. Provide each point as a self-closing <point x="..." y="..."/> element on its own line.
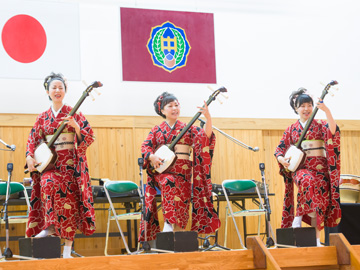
<point x="303" y="124"/>
<point x="56" y="112"/>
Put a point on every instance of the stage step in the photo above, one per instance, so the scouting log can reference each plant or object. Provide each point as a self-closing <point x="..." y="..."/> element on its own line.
<point x="339" y="255"/>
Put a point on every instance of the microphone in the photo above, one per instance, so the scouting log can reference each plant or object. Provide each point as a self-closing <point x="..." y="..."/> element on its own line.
<point x="12" y="147"/>
<point x="10" y="167"/>
<point x="262" y="166"/>
<point x="141" y="162"/>
<point x="202" y="122"/>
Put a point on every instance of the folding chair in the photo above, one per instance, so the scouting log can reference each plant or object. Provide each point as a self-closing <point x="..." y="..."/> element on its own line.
<point x="119" y="187"/>
<point x="238" y="186"/>
<point x="15" y="187"/>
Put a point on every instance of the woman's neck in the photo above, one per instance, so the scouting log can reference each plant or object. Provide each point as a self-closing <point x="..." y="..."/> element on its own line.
<point x="171" y="122"/>
<point x="57" y="106"/>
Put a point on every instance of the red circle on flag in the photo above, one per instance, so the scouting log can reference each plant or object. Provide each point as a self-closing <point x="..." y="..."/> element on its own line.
<point x="24" y="38"/>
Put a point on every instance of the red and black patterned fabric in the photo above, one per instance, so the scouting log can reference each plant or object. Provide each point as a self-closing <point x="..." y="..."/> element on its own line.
<point x="317" y="180"/>
<point x="62" y="197"/>
<point x="175" y="185"/>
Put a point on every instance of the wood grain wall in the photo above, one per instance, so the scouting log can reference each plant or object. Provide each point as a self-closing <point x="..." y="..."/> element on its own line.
<point x="115" y="152"/>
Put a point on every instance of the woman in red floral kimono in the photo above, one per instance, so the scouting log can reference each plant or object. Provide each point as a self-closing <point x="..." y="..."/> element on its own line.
<point x="175" y="185"/>
<point x="318" y="199"/>
<point x="61" y="198"/>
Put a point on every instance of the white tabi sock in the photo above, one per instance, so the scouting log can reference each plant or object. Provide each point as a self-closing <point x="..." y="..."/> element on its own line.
<point x="48" y="231"/>
<point x="297" y="222"/>
<point x="167" y="227"/>
<point x="67" y="252"/>
<point x="318" y="243"/>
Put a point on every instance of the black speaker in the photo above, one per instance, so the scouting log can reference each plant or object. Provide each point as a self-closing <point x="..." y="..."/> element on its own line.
<point x="300" y="237"/>
<point x="40" y="247"/>
<point x="177" y="241"/>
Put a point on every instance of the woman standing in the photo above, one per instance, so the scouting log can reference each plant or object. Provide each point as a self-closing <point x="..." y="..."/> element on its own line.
<point x="175" y="184"/>
<point x="318" y="199"/>
<point x="61" y="199"/>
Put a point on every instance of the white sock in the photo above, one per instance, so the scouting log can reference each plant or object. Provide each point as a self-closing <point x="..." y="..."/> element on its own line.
<point x="297" y="222"/>
<point x="318" y="243"/>
<point x="167" y="227"/>
<point x="48" y="231"/>
<point x="67" y="252"/>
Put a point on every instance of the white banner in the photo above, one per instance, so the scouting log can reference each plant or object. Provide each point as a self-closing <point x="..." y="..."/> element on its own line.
<point x="38" y="38"/>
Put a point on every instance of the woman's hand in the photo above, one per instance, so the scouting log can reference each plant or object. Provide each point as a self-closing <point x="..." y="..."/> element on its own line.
<point x="31" y="163"/>
<point x="284" y="161"/>
<point x="205" y="111"/>
<point x="70" y="121"/>
<point x="156" y="161"/>
<point x="321" y="105"/>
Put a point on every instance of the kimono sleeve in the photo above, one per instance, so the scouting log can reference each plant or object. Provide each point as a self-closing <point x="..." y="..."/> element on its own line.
<point x="149" y="145"/>
<point x="87" y="135"/>
<point x="35" y="137"/>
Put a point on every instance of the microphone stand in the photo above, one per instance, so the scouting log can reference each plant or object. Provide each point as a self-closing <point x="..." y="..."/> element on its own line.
<point x="255" y="149"/>
<point x="7" y="252"/>
<point x="269" y="241"/>
<point x="145" y="244"/>
<point x="206" y="244"/>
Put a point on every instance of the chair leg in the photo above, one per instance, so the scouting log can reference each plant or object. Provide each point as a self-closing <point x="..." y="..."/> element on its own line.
<point x="107" y="233"/>
<point x="233" y="218"/>
<point x="226" y="225"/>
<point x="117" y="221"/>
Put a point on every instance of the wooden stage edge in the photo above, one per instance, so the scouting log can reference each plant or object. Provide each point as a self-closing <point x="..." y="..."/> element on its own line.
<point x="339" y="255"/>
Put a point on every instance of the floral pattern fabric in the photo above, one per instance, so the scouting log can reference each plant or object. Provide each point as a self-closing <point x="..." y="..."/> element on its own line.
<point x="317" y="180"/>
<point x="62" y="196"/>
<point x="177" y="191"/>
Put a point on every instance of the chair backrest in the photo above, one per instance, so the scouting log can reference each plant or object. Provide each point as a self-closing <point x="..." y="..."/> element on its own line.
<point x="120" y="186"/>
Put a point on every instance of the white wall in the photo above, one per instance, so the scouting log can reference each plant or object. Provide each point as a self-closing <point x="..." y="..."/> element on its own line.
<point x="264" y="51"/>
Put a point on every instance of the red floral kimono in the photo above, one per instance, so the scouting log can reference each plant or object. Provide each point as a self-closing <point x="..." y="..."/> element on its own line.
<point x="317" y="180"/>
<point x="175" y="185"/>
<point x="62" y="197"/>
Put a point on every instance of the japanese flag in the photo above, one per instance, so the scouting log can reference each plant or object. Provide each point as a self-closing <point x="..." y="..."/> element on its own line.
<point x="38" y="38"/>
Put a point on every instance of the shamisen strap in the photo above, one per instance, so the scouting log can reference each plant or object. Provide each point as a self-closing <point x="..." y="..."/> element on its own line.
<point x="64" y="141"/>
<point x="314" y="148"/>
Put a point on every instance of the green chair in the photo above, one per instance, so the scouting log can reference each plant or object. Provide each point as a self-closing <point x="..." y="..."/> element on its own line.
<point x="237" y="186"/>
<point x="120" y="188"/>
<point x="15" y="187"/>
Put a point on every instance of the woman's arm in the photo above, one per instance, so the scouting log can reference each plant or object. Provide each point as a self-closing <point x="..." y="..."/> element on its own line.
<point x="208" y="126"/>
<point x="332" y="124"/>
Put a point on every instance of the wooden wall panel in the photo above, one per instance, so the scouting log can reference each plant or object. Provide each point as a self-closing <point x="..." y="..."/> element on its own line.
<point x="116" y="150"/>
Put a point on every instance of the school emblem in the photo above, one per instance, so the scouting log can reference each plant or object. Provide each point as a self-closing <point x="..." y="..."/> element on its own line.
<point x="168" y="46"/>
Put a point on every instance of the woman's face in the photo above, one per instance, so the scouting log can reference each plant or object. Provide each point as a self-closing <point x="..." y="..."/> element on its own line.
<point x="56" y="91"/>
<point x="171" y="110"/>
<point x="304" y="111"/>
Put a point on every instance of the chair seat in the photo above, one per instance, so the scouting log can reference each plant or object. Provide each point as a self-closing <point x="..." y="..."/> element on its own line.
<point x="17" y="219"/>
<point x="250" y="212"/>
<point x="121" y="186"/>
<point x="239" y="185"/>
<point x="128" y="216"/>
